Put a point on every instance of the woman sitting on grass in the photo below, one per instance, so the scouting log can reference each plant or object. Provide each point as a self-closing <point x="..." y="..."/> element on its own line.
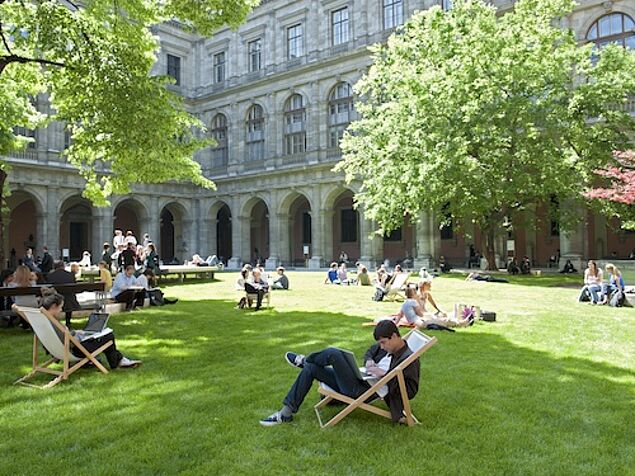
<point x="615" y="282"/>
<point x="425" y="296"/>
<point x="412" y="314"/>
<point x="592" y="283"/>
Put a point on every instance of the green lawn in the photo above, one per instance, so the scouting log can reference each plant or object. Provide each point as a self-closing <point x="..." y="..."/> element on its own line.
<point x="548" y="389"/>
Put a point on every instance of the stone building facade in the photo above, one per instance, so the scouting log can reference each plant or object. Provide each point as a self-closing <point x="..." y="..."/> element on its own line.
<point x="277" y="94"/>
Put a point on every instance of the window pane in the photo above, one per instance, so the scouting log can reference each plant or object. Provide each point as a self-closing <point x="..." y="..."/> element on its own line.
<point x="349" y="226"/>
<point x="593" y="32"/>
<point x="616" y="24"/>
<point x="605" y="27"/>
<point x="629" y="24"/>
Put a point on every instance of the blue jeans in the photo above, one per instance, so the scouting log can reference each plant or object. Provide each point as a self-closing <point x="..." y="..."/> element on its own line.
<point x="593" y="289"/>
<point x="328" y="366"/>
<point x="607" y="290"/>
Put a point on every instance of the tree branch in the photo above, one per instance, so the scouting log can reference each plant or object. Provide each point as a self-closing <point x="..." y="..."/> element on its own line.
<point x="8" y="59"/>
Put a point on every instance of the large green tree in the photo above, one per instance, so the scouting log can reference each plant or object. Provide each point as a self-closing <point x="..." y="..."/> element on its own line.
<point x="94" y="58"/>
<point x="479" y="116"/>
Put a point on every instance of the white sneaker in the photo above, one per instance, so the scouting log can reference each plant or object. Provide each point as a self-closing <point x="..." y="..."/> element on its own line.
<point x="125" y="362"/>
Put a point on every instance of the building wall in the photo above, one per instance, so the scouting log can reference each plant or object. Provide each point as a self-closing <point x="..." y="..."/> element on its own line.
<point x="276" y="179"/>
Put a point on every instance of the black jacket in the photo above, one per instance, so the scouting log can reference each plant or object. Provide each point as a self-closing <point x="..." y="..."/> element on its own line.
<point x="410" y="373"/>
<point x="126" y="258"/>
<point x="47" y="263"/>
<point x="61" y="276"/>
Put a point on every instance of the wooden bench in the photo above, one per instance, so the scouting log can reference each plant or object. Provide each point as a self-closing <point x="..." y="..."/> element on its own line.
<point x="182" y="271"/>
<point x="74" y="288"/>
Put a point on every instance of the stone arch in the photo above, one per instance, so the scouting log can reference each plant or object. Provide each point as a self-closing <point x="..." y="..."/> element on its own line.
<point x="24" y="224"/>
<point x="282" y="100"/>
<point x="76" y="215"/>
<point x="296" y="246"/>
<point x="256" y="210"/>
<point x="345" y="232"/>
<point x="220" y="237"/>
<point x="581" y="34"/>
<point x="175" y="228"/>
<point x="399" y="244"/>
<point x="131" y="214"/>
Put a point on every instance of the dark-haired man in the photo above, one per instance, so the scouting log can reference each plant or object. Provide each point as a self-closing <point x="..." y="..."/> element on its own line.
<point x="331" y="367"/>
<point x="61" y="276"/>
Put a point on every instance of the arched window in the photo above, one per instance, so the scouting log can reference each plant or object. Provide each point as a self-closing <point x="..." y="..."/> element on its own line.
<point x="255" y="133"/>
<point x="294" y="125"/>
<point x="219" y="134"/>
<point x="340" y="112"/>
<point x="616" y="28"/>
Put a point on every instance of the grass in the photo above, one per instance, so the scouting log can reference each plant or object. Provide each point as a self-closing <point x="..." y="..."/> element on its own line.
<point x="547" y="389"/>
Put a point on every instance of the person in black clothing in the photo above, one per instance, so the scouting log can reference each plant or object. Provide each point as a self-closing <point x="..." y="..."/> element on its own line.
<point x="127" y="257"/>
<point x="257" y="285"/>
<point x="61" y="276"/>
<point x="47" y="262"/>
<point x="106" y="256"/>
<point x="331" y="367"/>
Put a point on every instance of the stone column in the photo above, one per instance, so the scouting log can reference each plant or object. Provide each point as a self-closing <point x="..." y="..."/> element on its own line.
<point x="572" y="246"/>
<point x="53" y="220"/>
<point x="101" y="231"/>
<point x="321" y="238"/>
<point x="424" y="241"/>
<point x="153" y="225"/>
<point x="41" y="231"/>
<point x="370" y="243"/>
<point x="240" y="242"/>
<point x="276" y="232"/>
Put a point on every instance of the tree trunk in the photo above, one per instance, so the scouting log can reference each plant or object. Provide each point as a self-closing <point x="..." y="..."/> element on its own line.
<point x="490" y="252"/>
<point x="3" y="178"/>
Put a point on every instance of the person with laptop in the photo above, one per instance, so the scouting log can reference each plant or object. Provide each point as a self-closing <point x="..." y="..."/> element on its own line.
<point x="125" y="289"/>
<point x="91" y="341"/>
<point x="333" y="367"/>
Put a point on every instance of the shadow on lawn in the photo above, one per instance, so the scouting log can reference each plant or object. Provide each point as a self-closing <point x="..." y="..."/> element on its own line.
<point x="212" y="371"/>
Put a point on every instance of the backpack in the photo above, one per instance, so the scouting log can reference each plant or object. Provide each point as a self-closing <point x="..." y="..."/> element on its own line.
<point x="617" y="299"/>
<point x="379" y="295"/>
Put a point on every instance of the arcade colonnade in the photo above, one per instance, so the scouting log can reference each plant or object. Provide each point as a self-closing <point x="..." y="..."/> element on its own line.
<point x="306" y="225"/>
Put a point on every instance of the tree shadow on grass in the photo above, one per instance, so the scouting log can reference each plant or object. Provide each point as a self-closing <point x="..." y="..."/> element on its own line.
<point x="211" y="371"/>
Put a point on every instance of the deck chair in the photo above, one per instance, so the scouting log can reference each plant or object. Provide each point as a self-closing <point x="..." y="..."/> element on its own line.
<point x="44" y="325"/>
<point x="418" y="343"/>
<point x="397" y="286"/>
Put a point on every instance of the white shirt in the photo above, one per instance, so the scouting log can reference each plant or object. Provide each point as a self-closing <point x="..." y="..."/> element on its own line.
<point x="118" y="240"/>
<point x="590" y="279"/>
<point x="384" y="364"/>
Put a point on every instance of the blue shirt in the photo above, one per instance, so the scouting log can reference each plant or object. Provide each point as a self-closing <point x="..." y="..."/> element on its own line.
<point x="122" y="282"/>
<point x="332" y="275"/>
<point x="614" y="282"/>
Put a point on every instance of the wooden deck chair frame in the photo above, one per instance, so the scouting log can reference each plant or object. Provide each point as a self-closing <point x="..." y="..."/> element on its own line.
<point x="360" y="402"/>
<point x="69" y="361"/>
<point x="395" y="288"/>
<point x="251" y="298"/>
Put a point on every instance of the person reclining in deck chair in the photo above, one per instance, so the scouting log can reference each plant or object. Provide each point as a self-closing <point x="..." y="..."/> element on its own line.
<point x="331" y="367"/>
<point x="54" y="304"/>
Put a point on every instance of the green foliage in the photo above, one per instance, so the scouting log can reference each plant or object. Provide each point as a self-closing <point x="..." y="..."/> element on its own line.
<point x="547" y="389"/>
<point x="95" y="62"/>
<point x="482" y="115"/>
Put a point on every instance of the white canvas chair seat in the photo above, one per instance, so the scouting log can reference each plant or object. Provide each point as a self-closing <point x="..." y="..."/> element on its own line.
<point x="418" y="344"/>
<point x="395" y="289"/>
<point x="44" y="326"/>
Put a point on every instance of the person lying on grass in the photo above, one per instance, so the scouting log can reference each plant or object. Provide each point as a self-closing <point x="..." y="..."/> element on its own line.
<point x="331" y="367"/>
<point x="412" y="314"/>
<point x="54" y="304"/>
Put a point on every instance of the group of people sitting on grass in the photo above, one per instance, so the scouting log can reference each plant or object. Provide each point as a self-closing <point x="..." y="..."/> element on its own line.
<point x="598" y="290"/>
<point x="254" y="281"/>
<point x="415" y="312"/>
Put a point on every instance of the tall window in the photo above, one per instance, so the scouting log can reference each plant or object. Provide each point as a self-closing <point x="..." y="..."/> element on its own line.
<point x="295" y="41"/>
<point x="255" y="133"/>
<point x="395" y="235"/>
<point x="447" y="227"/>
<point x="67" y="139"/>
<point x="306" y="228"/>
<point x="393" y="13"/>
<point x="349" y="225"/>
<point x="254" y="49"/>
<point x="219" y="67"/>
<point x="294" y="125"/>
<point x="339" y="26"/>
<point x="446" y="4"/>
<point x="174" y="68"/>
<point x="24" y="132"/>
<point x="219" y="134"/>
<point x="340" y="112"/>
<point x="615" y="28"/>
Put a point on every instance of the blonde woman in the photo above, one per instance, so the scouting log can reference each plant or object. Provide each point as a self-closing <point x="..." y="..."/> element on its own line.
<point x="22" y="278"/>
<point x="614" y="283"/>
<point x="425" y="296"/>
